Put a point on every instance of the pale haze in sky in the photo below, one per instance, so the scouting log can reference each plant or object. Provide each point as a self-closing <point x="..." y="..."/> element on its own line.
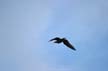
<point x="26" y="26"/>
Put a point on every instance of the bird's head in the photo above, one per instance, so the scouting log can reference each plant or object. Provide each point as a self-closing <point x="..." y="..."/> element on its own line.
<point x="64" y="38"/>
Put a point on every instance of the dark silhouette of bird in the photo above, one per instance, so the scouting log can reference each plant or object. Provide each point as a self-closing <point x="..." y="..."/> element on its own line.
<point x="64" y="40"/>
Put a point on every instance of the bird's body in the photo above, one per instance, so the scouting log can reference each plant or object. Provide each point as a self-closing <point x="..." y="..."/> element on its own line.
<point x="64" y="40"/>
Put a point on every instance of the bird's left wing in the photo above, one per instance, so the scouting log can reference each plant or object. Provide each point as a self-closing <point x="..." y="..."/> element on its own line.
<point x="56" y="38"/>
<point x="66" y="42"/>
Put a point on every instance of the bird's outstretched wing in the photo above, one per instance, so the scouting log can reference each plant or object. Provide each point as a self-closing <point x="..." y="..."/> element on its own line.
<point x="66" y="42"/>
<point x="56" y="38"/>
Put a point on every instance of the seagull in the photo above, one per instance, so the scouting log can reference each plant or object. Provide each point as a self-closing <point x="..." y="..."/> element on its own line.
<point x="65" y="42"/>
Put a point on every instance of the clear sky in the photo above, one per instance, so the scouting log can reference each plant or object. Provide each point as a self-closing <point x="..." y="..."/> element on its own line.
<point x="26" y="26"/>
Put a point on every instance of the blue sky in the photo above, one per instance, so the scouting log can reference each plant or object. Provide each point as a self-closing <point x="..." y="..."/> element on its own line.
<point x="26" y="26"/>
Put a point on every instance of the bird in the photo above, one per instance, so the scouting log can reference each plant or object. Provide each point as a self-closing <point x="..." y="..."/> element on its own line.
<point x="64" y="41"/>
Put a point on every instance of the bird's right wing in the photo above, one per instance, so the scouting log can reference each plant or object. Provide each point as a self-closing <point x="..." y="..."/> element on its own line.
<point x="66" y="42"/>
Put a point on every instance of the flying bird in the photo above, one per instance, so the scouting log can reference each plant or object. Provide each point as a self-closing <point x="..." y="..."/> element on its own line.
<point x="64" y="40"/>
